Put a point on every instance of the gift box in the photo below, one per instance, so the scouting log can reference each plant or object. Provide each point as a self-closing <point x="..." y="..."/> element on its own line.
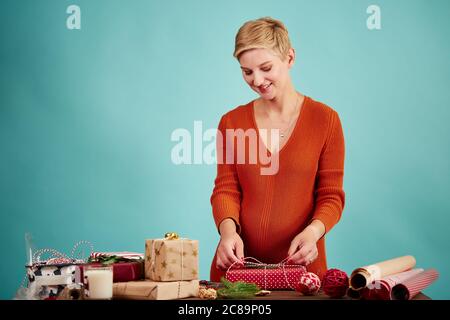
<point x="282" y="277"/>
<point x="152" y="290"/>
<point x="51" y="274"/>
<point x="171" y="259"/>
<point x="122" y="271"/>
<point x="46" y="280"/>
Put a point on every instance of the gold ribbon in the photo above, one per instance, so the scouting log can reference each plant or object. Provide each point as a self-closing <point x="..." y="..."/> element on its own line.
<point x="171" y="236"/>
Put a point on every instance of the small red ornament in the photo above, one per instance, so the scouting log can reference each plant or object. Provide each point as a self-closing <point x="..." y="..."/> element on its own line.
<point x="308" y="284"/>
<point x="335" y="283"/>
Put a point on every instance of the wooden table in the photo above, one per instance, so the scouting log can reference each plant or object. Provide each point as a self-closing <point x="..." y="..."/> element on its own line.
<point x="293" y="295"/>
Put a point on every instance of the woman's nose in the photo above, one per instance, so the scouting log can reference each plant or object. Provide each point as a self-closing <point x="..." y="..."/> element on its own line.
<point x="257" y="80"/>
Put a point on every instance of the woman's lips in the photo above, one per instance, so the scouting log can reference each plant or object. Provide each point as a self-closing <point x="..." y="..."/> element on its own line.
<point x="264" y="89"/>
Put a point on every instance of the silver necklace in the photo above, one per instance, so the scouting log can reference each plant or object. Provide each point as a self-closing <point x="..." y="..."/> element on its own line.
<point x="283" y="134"/>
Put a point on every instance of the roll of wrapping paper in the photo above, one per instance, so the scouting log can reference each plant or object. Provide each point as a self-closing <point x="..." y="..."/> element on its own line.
<point x="353" y="294"/>
<point x="411" y="287"/>
<point x="381" y="289"/>
<point x="361" y="277"/>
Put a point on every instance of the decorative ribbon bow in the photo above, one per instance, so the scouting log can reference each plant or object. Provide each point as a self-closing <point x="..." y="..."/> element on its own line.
<point x="171" y="236"/>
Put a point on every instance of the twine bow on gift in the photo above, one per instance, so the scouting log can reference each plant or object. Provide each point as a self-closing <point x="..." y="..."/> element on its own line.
<point x="253" y="263"/>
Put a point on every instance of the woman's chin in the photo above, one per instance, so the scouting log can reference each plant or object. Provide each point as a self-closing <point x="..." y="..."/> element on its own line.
<point x="270" y="95"/>
<point x="267" y="96"/>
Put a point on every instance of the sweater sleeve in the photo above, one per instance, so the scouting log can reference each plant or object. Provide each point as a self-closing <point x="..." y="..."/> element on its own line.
<point x="328" y="192"/>
<point x="226" y="196"/>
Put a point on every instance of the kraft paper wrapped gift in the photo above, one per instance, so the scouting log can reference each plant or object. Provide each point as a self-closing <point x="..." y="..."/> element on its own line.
<point x="171" y="259"/>
<point x="152" y="290"/>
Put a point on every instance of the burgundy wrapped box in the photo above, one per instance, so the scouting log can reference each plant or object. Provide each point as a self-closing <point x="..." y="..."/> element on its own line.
<point x="280" y="278"/>
<point x="122" y="271"/>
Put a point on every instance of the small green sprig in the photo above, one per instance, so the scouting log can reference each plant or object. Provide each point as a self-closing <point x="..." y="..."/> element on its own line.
<point x="237" y="290"/>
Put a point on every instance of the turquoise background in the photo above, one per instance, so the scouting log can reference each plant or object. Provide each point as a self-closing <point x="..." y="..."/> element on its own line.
<point x="86" y="118"/>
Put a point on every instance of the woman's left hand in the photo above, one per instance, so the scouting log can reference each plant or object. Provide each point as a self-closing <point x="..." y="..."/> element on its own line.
<point x="303" y="249"/>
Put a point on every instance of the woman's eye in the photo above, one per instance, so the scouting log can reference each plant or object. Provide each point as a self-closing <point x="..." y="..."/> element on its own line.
<point x="248" y="73"/>
<point x="267" y="69"/>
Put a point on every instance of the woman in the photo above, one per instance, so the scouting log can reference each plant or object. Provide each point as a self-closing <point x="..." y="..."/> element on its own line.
<point x="284" y="215"/>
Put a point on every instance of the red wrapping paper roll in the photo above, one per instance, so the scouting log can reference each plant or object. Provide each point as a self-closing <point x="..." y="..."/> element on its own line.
<point x="411" y="287"/>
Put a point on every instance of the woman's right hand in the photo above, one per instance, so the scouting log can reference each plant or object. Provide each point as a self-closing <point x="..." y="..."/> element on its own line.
<point x="231" y="247"/>
<point x="229" y="251"/>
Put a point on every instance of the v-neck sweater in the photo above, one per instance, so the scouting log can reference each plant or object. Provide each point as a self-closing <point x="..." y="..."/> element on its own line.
<point x="271" y="209"/>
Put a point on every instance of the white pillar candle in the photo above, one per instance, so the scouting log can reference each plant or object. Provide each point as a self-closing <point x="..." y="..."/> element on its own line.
<point x="100" y="282"/>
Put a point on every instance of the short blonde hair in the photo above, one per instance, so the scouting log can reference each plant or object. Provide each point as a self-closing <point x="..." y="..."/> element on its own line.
<point x="265" y="33"/>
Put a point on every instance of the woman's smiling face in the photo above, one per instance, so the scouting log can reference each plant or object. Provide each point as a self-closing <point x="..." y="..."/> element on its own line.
<point x="265" y="72"/>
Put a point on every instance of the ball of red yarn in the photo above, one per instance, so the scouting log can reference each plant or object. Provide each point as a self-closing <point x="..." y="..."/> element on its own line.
<point x="335" y="283"/>
<point x="308" y="284"/>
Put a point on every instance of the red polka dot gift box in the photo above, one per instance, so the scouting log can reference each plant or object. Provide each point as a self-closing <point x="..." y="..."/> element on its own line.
<point x="267" y="276"/>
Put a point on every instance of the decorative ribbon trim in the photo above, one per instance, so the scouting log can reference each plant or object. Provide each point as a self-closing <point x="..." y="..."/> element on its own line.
<point x="62" y="258"/>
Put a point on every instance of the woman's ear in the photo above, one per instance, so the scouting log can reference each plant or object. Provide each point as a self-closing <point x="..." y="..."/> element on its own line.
<point x="291" y="57"/>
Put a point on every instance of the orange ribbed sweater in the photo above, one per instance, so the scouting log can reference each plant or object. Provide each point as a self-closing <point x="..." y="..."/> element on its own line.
<point x="270" y="210"/>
